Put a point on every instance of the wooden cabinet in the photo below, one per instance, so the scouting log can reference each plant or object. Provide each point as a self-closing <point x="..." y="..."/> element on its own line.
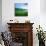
<point x="22" y="33"/>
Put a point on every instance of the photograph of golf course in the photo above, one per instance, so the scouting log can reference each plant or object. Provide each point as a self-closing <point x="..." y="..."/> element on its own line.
<point x="21" y="9"/>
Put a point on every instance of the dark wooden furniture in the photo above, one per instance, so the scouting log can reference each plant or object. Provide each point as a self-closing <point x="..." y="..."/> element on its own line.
<point x="22" y="33"/>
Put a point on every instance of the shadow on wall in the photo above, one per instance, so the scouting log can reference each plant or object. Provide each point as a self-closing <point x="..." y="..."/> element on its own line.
<point x="0" y="15"/>
<point x="43" y="6"/>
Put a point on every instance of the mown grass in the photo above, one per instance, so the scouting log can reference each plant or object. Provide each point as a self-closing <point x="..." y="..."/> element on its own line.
<point x="21" y="12"/>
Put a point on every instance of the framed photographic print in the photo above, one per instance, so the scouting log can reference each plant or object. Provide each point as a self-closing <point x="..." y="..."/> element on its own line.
<point x="21" y="9"/>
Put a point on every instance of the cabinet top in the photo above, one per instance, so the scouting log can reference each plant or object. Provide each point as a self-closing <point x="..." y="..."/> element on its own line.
<point x="19" y="23"/>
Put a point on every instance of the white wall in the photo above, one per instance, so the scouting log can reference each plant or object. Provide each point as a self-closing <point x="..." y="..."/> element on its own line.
<point x="36" y="14"/>
<point x="43" y="6"/>
<point x="8" y="11"/>
<point x="43" y="14"/>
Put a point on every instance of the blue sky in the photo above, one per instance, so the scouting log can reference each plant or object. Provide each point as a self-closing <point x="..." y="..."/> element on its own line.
<point x="21" y="5"/>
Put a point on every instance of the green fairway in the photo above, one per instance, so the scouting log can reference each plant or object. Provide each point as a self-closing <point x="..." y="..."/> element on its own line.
<point x="21" y="12"/>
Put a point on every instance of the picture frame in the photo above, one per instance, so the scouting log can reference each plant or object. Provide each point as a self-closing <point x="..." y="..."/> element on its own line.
<point x="21" y="9"/>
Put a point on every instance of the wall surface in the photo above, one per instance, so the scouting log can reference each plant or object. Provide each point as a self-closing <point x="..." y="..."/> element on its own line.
<point x="8" y="11"/>
<point x="35" y="15"/>
<point x="43" y="14"/>
<point x="0" y="15"/>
